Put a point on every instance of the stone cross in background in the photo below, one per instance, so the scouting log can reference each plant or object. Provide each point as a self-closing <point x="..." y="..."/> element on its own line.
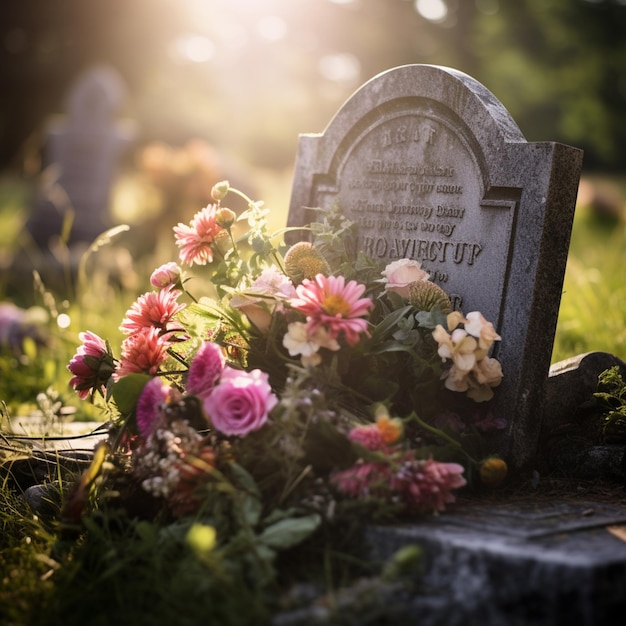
<point x="430" y="166"/>
<point x="83" y="150"/>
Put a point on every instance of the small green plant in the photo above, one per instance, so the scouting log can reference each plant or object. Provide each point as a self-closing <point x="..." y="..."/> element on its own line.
<point x="611" y="399"/>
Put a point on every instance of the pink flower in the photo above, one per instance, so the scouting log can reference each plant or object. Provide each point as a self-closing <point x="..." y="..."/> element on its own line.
<point x="142" y="352"/>
<point x="265" y="296"/>
<point x="92" y="365"/>
<point x="331" y="303"/>
<point x="205" y="370"/>
<point x="364" y="479"/>
<point x="426" y="485"/>
<point x="240" y="403"/>
<point x="154" y="309"/>
<point x="153" y="395"/>
<point x="165" y="275"/>
<point x="399" y="275"/>
<point x="423" y="486"/>
<point x="370" y="437"/>
<point x="195" y="240"/>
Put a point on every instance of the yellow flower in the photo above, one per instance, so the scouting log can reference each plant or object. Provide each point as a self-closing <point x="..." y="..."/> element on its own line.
<point x="390" y="428"/>
<point x="493" y="471"/>
<point x="458" y="347"/>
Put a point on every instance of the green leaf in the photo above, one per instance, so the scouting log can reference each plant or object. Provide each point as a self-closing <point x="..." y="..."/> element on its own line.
<point x="289" y="532"/>
<point x="126" y="391"/>
<point x="251" y="507"/>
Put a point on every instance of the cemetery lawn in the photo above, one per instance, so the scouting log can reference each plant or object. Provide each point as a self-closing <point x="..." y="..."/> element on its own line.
<point x="592" y="316"/>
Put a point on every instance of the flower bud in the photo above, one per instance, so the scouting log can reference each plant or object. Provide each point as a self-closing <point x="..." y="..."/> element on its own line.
<point x="219" y="190"/>
<point x="493" y="471"/>
<point x="225" y="217"/>
<point x="165" y="275"/>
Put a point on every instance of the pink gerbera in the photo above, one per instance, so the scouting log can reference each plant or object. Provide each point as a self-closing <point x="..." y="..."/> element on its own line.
<point x="142" y="352"/>
<point x="154" y="309"/>
<point x="329" y="302"/>
<point x="195" y="240"/>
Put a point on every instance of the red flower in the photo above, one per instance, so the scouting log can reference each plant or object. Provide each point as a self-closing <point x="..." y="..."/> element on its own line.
<point x="92" y="365"/>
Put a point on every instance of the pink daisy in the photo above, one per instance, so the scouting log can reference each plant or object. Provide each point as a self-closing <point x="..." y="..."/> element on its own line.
<point x="205" y="369"/>
<point x="196" y="239"/>
<point x="329" y="302"/>
<point x="142" y="352"/>
<point x="154" y="309"/>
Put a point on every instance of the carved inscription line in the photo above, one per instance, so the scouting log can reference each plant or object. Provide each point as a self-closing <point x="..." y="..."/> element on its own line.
<point x="428" y="250"/>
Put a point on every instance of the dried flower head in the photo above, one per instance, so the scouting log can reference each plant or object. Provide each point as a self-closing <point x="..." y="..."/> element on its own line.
<point x="303" y="260"/>
<point x="425" y="296"/>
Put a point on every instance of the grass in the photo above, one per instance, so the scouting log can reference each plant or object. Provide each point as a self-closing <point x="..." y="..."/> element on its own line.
<point x="592" y="316"/>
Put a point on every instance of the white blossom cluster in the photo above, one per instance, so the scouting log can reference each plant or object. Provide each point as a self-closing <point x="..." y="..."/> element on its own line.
<point x="163" y="456"/>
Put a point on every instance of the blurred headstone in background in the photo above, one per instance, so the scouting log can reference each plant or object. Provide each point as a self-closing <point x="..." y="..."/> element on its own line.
<point x="83" y="151"/>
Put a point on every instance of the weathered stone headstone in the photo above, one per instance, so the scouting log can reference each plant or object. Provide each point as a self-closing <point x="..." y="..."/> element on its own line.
<point x="84" y="148"/>
<point x="431" y="167"/>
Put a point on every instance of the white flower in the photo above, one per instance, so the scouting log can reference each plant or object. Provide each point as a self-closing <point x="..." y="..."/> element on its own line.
<point x="399" y="275"/>
<point x="477" y="326"/>
<point x="299" y="341"/>
<point x="458" y="347"/>
<point x="264" y="297"/>
<point x="488" y="371"/>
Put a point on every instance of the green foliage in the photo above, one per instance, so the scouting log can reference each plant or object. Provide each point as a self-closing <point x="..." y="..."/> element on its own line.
<point x="611" y="399"/>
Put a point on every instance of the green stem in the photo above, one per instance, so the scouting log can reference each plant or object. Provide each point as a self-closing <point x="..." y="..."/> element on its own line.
<point x="439" y="433"/>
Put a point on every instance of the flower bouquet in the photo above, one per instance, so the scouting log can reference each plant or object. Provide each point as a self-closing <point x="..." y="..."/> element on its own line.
<point x="302" y="389"/>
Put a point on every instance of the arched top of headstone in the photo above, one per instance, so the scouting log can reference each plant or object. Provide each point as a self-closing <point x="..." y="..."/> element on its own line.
<point x="96" y="97"/>
<point x="443" y="88"/>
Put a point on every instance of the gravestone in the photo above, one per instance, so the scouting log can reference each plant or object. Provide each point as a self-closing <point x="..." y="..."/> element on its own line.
<point x="430" y="166"/>
<point x="83" y="150"/>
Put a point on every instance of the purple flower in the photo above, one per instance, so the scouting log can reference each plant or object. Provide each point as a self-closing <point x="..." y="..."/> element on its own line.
<point x="154" y="394"/>
<point x="240" y="403"/>
<point x="205" y="370"/>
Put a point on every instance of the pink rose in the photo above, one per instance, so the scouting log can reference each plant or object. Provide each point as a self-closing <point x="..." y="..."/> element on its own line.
<point x="399" y="275"/>
<point x="240" y="402"/>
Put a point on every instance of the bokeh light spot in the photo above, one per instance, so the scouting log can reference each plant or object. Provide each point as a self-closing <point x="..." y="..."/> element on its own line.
<point x="194" y="48"/>
<point x="63" y="320"/>
<point x="432" y="10"/>
<point x="342" y="67"/>
<point x="272" y="28"/>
